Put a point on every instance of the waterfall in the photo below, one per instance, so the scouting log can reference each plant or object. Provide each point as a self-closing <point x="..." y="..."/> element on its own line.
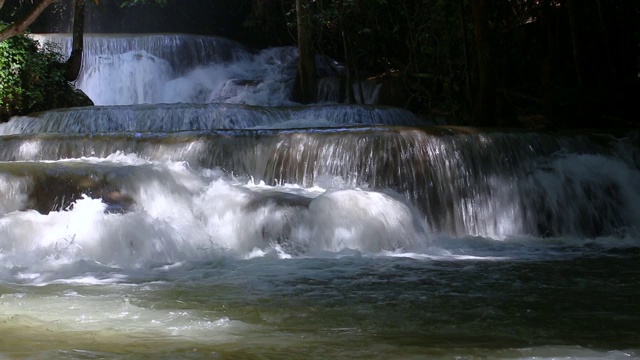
<point x="168" y="68"/>
<point x="197" y="212"/>
<point x="210" y="103"/>
<point x="183" y="52"/>
<point x="182" y="117"/>
<point x="493" y="184"/>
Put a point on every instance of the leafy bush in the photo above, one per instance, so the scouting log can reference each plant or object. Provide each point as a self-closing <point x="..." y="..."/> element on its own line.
<point x="31" y="79"/>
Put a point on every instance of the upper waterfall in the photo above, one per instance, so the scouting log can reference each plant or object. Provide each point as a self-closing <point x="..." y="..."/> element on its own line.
<point x="126" y="69"/>
<point x="181" y="51"/>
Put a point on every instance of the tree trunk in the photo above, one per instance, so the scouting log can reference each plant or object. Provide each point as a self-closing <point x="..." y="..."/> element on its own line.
<point x="21" y="25"/>
<point x="574" y="24"/>
<point x="550" y="30"/>
<point x="350" y="96"/>
<point x="306" y="78"/>
<point x="74" y="63"/>
<point x="485" y="106"/>
<point x="465" y="53"/>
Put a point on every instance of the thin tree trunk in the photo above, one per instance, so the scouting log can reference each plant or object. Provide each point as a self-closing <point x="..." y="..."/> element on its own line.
<point x="352" y="75"/>
<point x="349" y="93"/>
<point x="575" y="39"/>
<point x="74" y="63"/>
<point x="21" y="25"/>
<point x="356" y="74"/>
<point x="606" y="40"/>
<point x="1" y="4"/>
<point x="485" y="106"/>
<point x="550" y="58"/>
<point x="463" y="33"/>
<point x="306" y="78"/>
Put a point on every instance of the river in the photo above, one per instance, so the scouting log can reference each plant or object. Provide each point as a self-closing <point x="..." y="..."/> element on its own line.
<point x="197" y="212"/>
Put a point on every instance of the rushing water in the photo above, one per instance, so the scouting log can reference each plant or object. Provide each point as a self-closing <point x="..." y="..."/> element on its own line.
<point x="240" y="230"/>
<point x="157" y="68"/>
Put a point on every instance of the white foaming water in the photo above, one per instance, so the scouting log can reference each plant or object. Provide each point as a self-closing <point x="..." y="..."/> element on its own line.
<point x="570" y="195"/>
<point x="42" y="243"/>
<point x="159" y="258"/>
<point x="129" y="78"/>
<point x="152" y="69"/>
<point x="204" y="260"/>
<point x="183" y="215"/>
<point x="141" y="78"/>
<point x="584" y="194"/>
<point x="13" y="193"/>
<point x="363" y="220"/>
<point x="180" y="68"/>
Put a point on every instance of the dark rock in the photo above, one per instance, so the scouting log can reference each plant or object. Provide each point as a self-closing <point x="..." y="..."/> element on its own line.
<point x="77" y="98"/>
<point x="58" y="191"/>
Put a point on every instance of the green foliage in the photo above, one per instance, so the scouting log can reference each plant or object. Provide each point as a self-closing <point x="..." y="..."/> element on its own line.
<point x="30" y="79"/>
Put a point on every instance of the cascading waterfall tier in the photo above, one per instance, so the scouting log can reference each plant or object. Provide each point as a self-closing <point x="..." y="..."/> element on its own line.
<point x="488" y="184"/>
<point x="171" y="68"/>
<point x="182" y="117"/>
<point x="232" y="223"/>
<point x="218" y="209"/>
<point x="181" y="51"/>
<point x="129" y="69"/>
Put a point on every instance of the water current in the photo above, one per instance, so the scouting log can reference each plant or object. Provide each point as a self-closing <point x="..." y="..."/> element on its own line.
<point x="198" y="213"/>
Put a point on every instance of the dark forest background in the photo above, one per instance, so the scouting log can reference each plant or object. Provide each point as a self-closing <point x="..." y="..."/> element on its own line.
<point x="530" y="63"/>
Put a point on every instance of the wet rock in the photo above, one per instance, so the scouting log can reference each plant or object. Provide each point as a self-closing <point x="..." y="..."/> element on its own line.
<point x="59" y="192"/>
<point x="77" y="98"/>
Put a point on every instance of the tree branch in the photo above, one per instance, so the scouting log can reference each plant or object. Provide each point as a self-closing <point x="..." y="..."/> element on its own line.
<point x="21" y="25"/>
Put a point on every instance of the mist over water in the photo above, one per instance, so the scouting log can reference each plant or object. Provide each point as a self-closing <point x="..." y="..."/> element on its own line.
<point x="199" y="213"/>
